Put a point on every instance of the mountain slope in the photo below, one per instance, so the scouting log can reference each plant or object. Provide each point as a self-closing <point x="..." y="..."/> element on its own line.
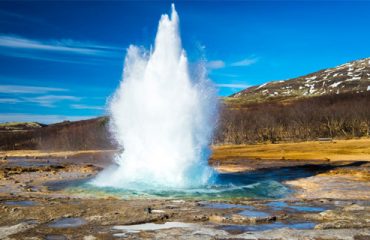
<point x="350" y="77"/>
<point x="78" y="135"/>
<point x="20" y="126"/>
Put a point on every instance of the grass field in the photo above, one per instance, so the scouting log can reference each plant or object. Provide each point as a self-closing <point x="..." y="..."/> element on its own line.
<point x="354" y="150"/>
<point x="54" y="154"/>
<point x="357" y="149"/>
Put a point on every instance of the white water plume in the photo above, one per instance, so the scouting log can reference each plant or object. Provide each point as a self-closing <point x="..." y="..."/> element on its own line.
<point x="162" y="117"/>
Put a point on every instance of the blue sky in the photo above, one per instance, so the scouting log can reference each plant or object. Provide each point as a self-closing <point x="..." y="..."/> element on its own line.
<point x="62" y="60"/>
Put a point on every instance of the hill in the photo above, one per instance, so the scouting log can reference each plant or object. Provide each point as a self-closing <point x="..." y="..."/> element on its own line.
<point x="352" y="77"/>
<point x="331" y="103"/>
<point x="20" y="126"/>
<point x="77" y="135"/>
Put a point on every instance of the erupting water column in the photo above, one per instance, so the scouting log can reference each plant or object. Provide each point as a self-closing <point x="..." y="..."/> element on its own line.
<point x="162" y="117"/>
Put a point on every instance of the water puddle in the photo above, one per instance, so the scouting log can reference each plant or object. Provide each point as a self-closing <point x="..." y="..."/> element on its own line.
<point x="257" y="214"/>
<point x="238" y="229"/>
<point x="251" y="211"/>
<point x="21" y="203"/>
<point x="279" y="205"/>
<point x="55" y="237"/>
<point x="25" y="162"/>
<point x="152" y="226"/>
<point x="67" y="223"/>
<point x="120" y="235"/>
<point x="268" y="209"/>
<point x="307" y="208"/>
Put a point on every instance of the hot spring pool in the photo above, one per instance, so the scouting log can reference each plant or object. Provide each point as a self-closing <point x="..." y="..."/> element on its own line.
<point x="262" y="184"/>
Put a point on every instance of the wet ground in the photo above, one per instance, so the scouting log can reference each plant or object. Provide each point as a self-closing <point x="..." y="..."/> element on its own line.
<point x="48" y="199"/>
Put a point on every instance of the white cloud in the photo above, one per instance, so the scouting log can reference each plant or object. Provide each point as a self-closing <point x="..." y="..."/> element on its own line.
<point x="64" y="45"/>
<point x="28" y="89"/>
<point x="228" y="75"/>
<point x="232" y="85"/>
<point x="82" y="106"/>
<point x="25" y="117"/>
<point x="50" y="100"/>
<point x="215" y="64"/>
<point x="56" y="50"/>
<point x="245" y="62"/>
<point x="21" y="94"/>
<point x="13" y="16"/>
<point x="9" y="100"/>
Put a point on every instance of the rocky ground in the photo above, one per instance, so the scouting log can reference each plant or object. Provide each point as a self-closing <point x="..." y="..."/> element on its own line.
<point x="332" y="203"/>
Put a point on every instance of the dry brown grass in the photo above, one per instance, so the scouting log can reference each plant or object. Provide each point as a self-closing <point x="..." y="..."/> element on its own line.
<point x="38" y="153"/>
<point x="354" y="150"/>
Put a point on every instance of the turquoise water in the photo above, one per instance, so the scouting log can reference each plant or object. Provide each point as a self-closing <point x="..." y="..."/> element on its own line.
<point x="265" y="189"/>
<point x="265" y="184"/>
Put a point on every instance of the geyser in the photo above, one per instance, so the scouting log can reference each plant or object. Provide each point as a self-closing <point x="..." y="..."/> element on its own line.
<point x="162" y="116"/>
